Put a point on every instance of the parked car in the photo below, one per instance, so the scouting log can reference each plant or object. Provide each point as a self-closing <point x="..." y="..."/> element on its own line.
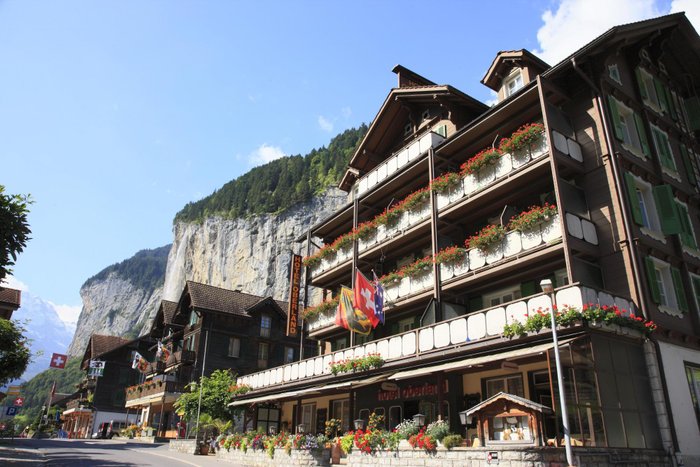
<point x="108" y="429"/>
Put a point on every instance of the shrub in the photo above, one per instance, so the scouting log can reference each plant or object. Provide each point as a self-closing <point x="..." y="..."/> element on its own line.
<point x="451" y="441"/>
<point x="407" y="428"/>
<point x="438" y="430"/>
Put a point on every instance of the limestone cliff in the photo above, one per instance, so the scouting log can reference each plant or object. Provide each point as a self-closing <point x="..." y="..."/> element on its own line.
<point x="249" y="254"/>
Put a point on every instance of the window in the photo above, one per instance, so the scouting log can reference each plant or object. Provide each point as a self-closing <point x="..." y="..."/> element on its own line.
<point x="643" y="205"/>
<point x="268" y="418"/>
<point x="512" y="384"/>
<point x="189" y="343"/>
<point x="288" y="354"/>
<point x="614" y="73"/>
<point x="695" y="281"/>
<point x="234" y="347"/>
<point x="395" y="416"/>
<point x="425" y="115"/>
<point x="655" y="94"/>
<point x="308" y="417"/>
<point x="693" y="374"/>
<point x="340" y="409"/>
<point x="265" y="325"/>
<point x="628" y="128"/>
<point x="193" y="318"/>
<point x="692" y="166"/>
<point x="408" y="129"/>
<point x="380" y="411"/>
<point x="406" y="325"/>
<point x="263" y="354"/>
<point x="512" y="83"/>
<point x="666" y="286"/>
<point x="502" y="296"/>
<point x="663" y="148"/>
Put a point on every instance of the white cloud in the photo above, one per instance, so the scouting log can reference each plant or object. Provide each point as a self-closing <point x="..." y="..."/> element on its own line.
<point x="14" y="283"/>
<point x="68" y="314"/>
<point x="493" y="98"/>
<point x="325" y="124"/>
<point x="691" y="8"/>
<point x="346" y="111"/>
<point x="577" y="22"/>
<point x="264" y="154"/>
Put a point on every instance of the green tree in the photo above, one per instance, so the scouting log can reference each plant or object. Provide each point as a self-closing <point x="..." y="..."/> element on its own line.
<point x="14" y="351"/>
<point x="14" y="229"/>
<point x="215" y="396"/>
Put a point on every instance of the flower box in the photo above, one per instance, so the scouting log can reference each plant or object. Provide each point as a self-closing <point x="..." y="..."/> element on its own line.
<point x="405" y="287"/>
<point x="392" y="290"/>
<point x="421" y="281"/>
<point x="447" y="271"/>
<point x="470" y="184"/>
<point x="494" y="253"/>
<point x="512" y="244"/>
<point x="477" y="259"/>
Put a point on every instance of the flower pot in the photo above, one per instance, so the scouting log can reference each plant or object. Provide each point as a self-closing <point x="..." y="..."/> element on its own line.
<point x="447" y="271"/>
<point x="520" y="157"/>
<point x="404" y="287"/>
<point x="487" y="175"/>
<point x="551" y="230"/>
<point x="443" y="199"/>
<point x="470" y="184"/>
<point x="539" y="148"/>
<point x="502" y="167"/>
<point x="456" y="193"/>
<point x="392" y="291"/>
<point x="477" y="259"/>
<point x="531" y="238"/>
<point x="494" y="253"/>
<point x="512" y="245"/>
<point x="461" y="267"/>
<point x="336" y="454"/>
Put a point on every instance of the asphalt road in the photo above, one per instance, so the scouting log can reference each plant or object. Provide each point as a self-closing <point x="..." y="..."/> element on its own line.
<point x="110" y="453"/>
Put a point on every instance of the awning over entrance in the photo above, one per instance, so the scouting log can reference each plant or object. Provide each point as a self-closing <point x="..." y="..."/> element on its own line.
<point x="309" y="391"/>
<point x="480" y="360"/>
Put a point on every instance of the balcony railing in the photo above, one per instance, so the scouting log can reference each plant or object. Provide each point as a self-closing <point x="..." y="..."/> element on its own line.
<point x="513" y="246"/>
<point x="398" y="161"/>
<point x="78" y="404"/>
<point x="153" y="388"/>
<point x="181" y="357"/>
<point x="463" y="332"/>
<point x="471" y="185"/>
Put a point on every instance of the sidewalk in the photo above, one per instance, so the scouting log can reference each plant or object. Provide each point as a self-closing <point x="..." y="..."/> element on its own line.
<point x="191" y="459"/>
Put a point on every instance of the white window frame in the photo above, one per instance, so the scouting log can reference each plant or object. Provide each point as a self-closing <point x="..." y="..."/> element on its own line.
<point x="308" y="417"/>
<point x="648" y="82"/>
<point x="614" y="73"/>
<point x="696" y="290"/>
<point x="647" y="205"/>
<point x="667" y="292"/>
<point x="513" y="83"/>
<point x="406" y="324"/>
<point x="686" y="248"/>
<point x="287" y="357"/>
<point x="631" y="137"/>
<point x="341" y="410"/>
<point x="262" y="362"/>
<point x="500" y="296"/>
<point x="234" y="347"/>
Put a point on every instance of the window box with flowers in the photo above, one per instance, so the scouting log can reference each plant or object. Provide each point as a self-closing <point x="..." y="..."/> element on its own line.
<point x="420" y="273"/>
<point x="453" y="261"/>
<point x="448" y="188"/>
<point x="488" y="237"/>
<point x="525" y="144"/>
<point x="352" y="365"/>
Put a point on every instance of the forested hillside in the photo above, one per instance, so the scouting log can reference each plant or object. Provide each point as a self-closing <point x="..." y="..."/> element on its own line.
<point x="146" y="269"/>
<point x="279" y="184"/>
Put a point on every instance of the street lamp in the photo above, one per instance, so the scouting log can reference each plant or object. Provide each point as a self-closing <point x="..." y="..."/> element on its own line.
<point x="359" y="424"/>
<point x="466" y="421"/>
<point x="548" y="288"/>
<point x="300" y="428"/>
<point x="419" y="418"/>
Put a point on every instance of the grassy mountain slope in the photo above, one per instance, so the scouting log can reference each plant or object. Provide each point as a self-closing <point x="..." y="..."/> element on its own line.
<point x="146" y="269"/>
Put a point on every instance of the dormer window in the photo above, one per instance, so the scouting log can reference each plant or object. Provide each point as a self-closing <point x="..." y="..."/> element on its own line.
<point x="408" y="129"/>
<point x="512" y="83"/>
<point x="425" y="115"/>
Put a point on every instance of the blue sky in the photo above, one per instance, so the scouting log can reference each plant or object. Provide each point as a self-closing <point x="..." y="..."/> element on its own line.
<point x="113" y="115"/>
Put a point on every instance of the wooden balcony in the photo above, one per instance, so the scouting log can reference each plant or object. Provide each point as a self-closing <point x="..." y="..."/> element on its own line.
<point x="76" y="404"/>
<point x="181" y="357"/>
<point x="154" y="391"/>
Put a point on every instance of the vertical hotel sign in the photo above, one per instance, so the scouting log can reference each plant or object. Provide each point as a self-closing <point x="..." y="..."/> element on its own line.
<point x="294" y="285"/>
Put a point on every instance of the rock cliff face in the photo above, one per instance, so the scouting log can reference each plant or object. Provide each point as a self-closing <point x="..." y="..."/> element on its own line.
<point x="250" y="254"/>
<point x="114" y="306"/>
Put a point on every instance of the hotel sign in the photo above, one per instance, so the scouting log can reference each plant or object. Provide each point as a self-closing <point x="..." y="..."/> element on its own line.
<point x="294" y="287"/>
<point x="410" y="392"/>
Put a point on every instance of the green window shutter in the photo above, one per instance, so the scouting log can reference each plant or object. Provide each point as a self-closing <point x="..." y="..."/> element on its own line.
<point x="640" y="83"/>
<point x="696" y="287"/>
<point x="617" y="123"/>
<point x="652" y="280"/>
<point x="692" y="110"/>
<point x="632" y="198"/>
<point x="666" y="208"/>
<point x="661" y="94"/>
<point x="639" y="123"/>
<point x="680" y="291"/>
<point x="663" y="149"/>
<point x="687" y="236"/>
<point x="688" y="165"/>
<point x="671" y="103"/>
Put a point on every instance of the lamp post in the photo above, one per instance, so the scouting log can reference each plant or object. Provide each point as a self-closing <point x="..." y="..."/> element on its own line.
<point x="359" y="424"/>
<point x="419" y="418"/>
<point x="466" y="421"/>
<point x="548" y="288"/>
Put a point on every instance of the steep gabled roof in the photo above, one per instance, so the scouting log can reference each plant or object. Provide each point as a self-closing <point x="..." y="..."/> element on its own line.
<point x="11" y="297"/>
<point x="169" y="308"/>
<point x="508" y="59"/>
<point x="512" y="398"/>
<point x="100" y="344"/>
<point x="208" y="297"/>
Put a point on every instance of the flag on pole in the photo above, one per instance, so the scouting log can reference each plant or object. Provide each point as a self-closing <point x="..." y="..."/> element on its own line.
<point x="163" y="352"/>
<point x="58" y="360"/>
<point x="378" y="298"/>
<point x="349" y="317"/>
<point x="139" y="363"/>
<point x="364" y="298"/>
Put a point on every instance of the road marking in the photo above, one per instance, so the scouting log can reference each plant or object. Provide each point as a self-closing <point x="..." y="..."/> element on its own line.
<point x="167" y="457"/>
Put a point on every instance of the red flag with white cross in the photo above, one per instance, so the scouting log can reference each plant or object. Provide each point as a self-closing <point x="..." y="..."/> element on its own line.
<point x="364" y="298"/>
<point x="58" y="360"/>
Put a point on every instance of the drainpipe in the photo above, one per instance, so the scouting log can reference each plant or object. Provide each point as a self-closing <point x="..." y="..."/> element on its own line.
<point x="657" y="364"/>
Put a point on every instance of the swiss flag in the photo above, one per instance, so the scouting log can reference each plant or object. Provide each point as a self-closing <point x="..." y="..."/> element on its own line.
<point x="58" y="360"/>
<point x="364" y="298"/>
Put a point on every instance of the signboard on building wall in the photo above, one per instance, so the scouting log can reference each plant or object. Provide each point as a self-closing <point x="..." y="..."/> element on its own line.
<point x="294" y="287"/>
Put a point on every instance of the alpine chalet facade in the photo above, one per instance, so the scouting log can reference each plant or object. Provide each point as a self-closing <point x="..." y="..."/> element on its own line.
<point x="586" y="173"/>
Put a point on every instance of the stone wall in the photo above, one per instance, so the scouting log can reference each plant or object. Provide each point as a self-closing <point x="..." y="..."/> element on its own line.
<point x="187" y="446"/>
<point x="510" y="457"/>
<point x="259" y="458"/>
